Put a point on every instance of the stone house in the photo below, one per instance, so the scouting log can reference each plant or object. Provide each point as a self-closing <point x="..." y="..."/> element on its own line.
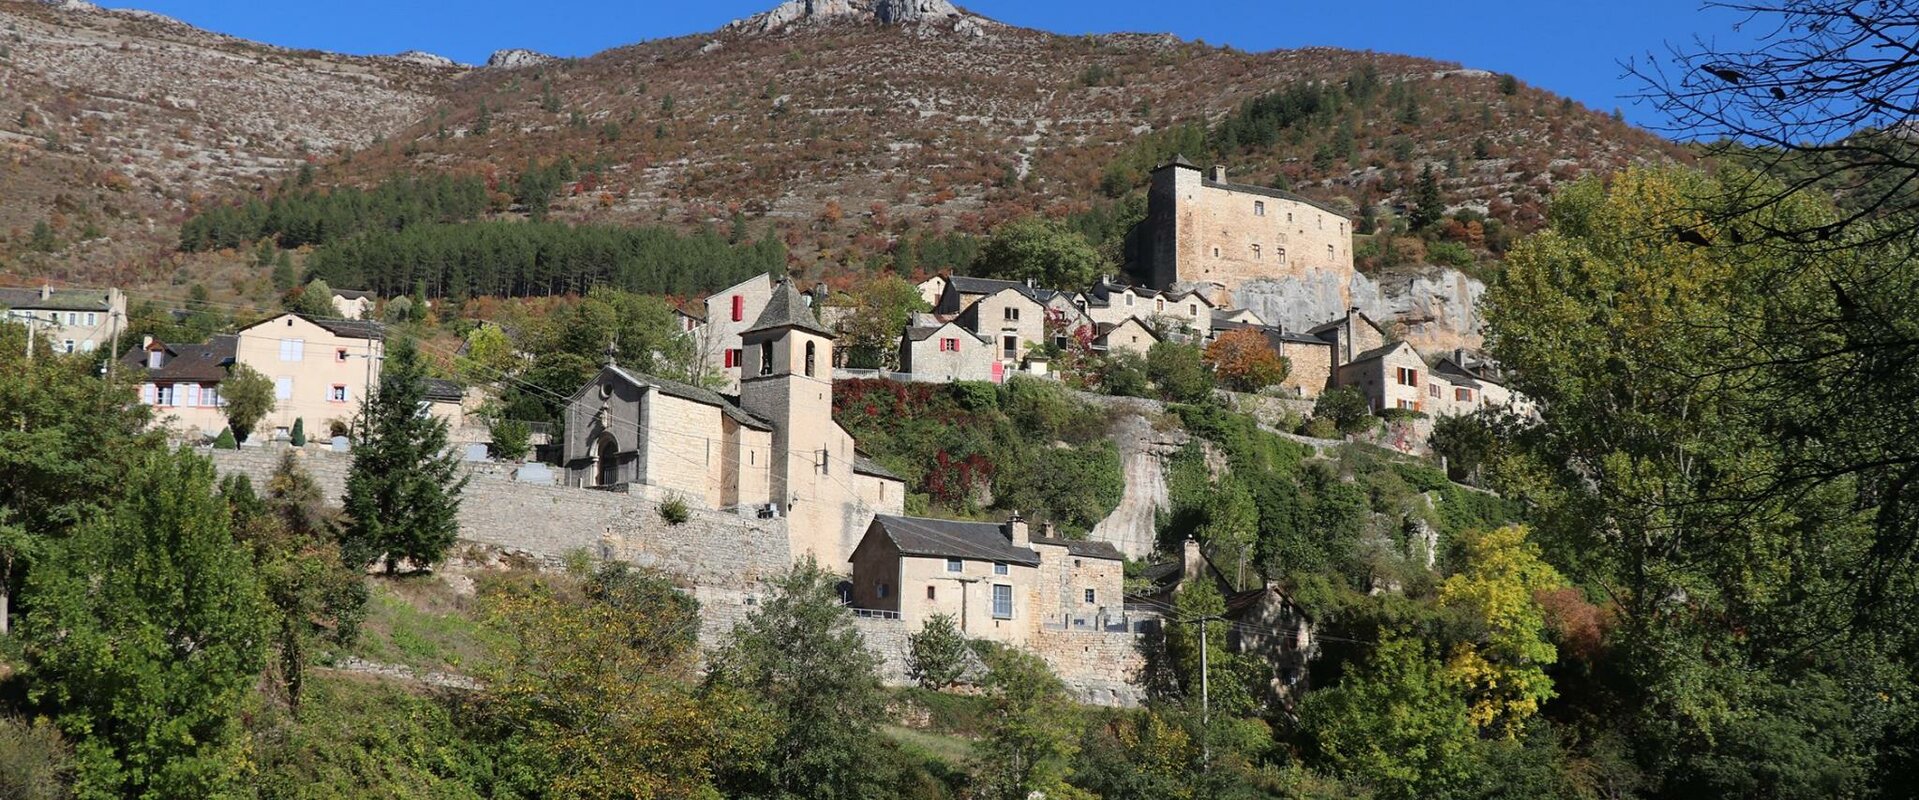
<point x="1309" y="358"/>
<point x="1389" y="376"/>
<point x="994" y="579"/>
<point x="352" y="304"/>
<point x="932" y="289"/>
<point x="1189" y="313"/>
<point x="1350" y="335"/>
<point x="320" y="368"/>
<point x="1263" y="621"/>
<point x="1129" y="335"/>
<point x="1202" y="230"/>
<point x="1012" y="319"/>
<point x="777" y="451"/>
<point x="947" y="352"/>
<point x="74" y="320"/>
<point x="182" y="383"/>
<point x="729" y="313"/>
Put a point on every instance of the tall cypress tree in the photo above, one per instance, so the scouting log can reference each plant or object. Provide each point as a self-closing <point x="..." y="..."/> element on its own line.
<point x="1429" y="206"/>
<point x="403" y="490"/>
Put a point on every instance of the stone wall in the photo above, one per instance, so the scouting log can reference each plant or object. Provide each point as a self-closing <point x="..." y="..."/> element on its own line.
<point x="726" y="558"/>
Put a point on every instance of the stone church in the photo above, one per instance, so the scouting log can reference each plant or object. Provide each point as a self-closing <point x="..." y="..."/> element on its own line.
<point x="773" y="451"/>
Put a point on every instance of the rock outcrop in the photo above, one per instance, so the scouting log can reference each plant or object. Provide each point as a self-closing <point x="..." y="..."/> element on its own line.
<point x="884" y="12"/>
<point x="516" y="58"/>
<point x="426" y="58"/>
<point x="1436" y="308"/>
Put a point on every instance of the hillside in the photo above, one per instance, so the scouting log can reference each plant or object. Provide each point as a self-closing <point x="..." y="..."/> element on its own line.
<point x="846" y="134"/>
<point x="114" y="123"/>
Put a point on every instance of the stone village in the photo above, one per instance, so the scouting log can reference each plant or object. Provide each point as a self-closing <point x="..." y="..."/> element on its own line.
<point x="769" y="477"/>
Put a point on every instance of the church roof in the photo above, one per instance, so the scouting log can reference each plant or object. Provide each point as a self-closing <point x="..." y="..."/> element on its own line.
<point x="687" y="391"/>
<point x="786" y="309"/>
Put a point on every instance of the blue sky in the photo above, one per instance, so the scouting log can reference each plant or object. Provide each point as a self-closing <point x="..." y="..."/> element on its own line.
<point x="1569" y="47"/>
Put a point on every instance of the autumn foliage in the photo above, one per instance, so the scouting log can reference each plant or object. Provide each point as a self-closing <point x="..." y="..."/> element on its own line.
<point x="1243" y="361"/>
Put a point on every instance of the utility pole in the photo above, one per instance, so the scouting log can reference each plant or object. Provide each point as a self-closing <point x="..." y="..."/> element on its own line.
<point x="113" y="327"/>
<point x="1205" y="692"/>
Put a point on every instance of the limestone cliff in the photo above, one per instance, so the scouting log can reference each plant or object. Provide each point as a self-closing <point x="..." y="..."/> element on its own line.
<point x="885" y="12"/>
<point x="1435" y="308"/>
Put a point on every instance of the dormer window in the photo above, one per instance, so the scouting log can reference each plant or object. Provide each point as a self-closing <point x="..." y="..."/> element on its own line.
<point x="156" y="359"/>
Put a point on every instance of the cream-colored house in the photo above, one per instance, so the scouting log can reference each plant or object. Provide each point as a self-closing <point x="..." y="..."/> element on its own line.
<point x="353" y="304"/>
<point x="182" y="383"/>
<point x="777" y="451"/>
<point x="994" y="579"/>
<point x="320" y="368"/>
<point x="1012" y="319"/>
<point x="74" y="320"/>
<point x="1188" y="313"/>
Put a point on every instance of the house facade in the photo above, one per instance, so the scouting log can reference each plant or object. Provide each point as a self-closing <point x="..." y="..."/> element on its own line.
<point x="1012" y="320"/>
<point x="1128" y="335"/>
<point x="74" y="320"/>
<point x="320" y="368"/>
<point x="1389" y="376"/>
<point x="353" y="304"/>
<point x="947" y="352"/>
<point x="182" y="383"/>
<point x="994" y="579"/>
<point x="729" y="313"/>
<point x="776" y="451"/>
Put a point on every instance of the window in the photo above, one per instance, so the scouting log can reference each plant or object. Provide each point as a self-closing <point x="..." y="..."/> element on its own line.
<point x="1256" y="256"/>
<point x="1289" y="216"/>
<point x="210" y="396"/>
<point x="1319" y="221"/>
<point x="1129" y="297"/>
<point x="1089" y="596"/>
<point x="809" y="359"/>
<point x="1192" y="309"/>
<point x="999" y="568"/>
<point x="949" y="345"/>
<point x="1463" y="395"/>
<point x="733" y="358"/>
<point x="1002" y="601"/>
<point x="68" y="345"/>
<point x="1329" y="252"/>
<point x="931" y="594"/>
<point x="883" y="590"/>
<point x="1407" y="404"/>
<point x="92" y="318"/>
<point x="163" y="394"/>
<point x="1160" y="304"/>
<point x="339" y="355"/>
<point x="739" y="308"/>
<point x="1279" y="254"/>
<point x="1259" y="208"/>
<point x="292" y="349"/>
<point x="1011" y="346"/>
<point x="336" y="393"/>
<point x="766" y="358"/>
<point x="1012" y="314"/>
<point x="1432" y="389"/>
<point x="193" y="394"/>
<point x="1407" y="376"/>
<point x="156" y="359"/>
<point x="283" y="388"/>
<point x="955" y="565"/>
<point x="1216" y="252"/>
<point x="73" y="318"/>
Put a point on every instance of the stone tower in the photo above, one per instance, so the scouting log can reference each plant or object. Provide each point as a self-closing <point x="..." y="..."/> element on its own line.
<point x="786" y="378"/>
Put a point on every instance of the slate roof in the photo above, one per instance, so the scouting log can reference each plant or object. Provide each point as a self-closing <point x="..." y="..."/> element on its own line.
<point x="1083" y="549"/>
<point x="57" y="300"/>
<point x="687" y="391"/>
<point x="1375" y="352"/>
<point x="867" y="466"/>
<point x="443" y="391"/>
<point x="197" y="363"/>
<point x="942" y="538"/>
<point x="351" y="294"/>
<point x="1106" y="328"/>
<point x="1456" y="374"/>
<point x="920" y="333"/>
<point x="1271" y="332"/>
<point x="785" y="309"/>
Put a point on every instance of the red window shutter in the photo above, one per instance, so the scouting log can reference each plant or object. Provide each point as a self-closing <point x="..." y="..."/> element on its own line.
<point x="739" y="308"/>
<point x="732" y="358"/>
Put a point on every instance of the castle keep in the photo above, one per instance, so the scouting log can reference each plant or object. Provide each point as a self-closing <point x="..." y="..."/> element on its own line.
<point x="1203" y="232"/>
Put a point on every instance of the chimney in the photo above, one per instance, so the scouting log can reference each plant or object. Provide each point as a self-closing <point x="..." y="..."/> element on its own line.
<point x="46" y="291"/>
<point x="1459" y="357"/>
<point x="1189" y="560"/>
<point x="1047" y="530"/>
<point x="1352" y="330"/>
<point x="146" y="342"/>
<point x="1219" y="173"/>
<point x="1016" y="531"/>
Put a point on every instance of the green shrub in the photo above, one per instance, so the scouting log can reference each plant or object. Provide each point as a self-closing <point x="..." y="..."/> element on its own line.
<point x="511" y="439"/>
<point x="1180" y="372"/>
<point x="34" y="761"/>
<point x="936" y="655"/>
<point x="225" y="440"/>
<point x="1320" y="428"/>
<point x="1452" y="254"/>
<point x="1401" y="414"/>
<point x="673" y="510"/>
<point x="1121" y="374"/>
<point x="1347" y="408"/>
<point x="299" y="437"/>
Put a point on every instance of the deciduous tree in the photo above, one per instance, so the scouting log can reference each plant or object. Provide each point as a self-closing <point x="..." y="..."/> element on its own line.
<point x="248" y="395"/>
<point x="1244" y="361"/>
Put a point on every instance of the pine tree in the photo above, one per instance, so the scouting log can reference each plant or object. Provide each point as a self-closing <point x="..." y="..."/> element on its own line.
<point x="1428" y="205"/>
<point x="284" y="278"/>
<point x="403" y="490"/>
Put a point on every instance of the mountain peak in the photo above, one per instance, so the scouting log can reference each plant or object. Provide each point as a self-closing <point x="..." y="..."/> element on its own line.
<point x="884" y="12"/>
